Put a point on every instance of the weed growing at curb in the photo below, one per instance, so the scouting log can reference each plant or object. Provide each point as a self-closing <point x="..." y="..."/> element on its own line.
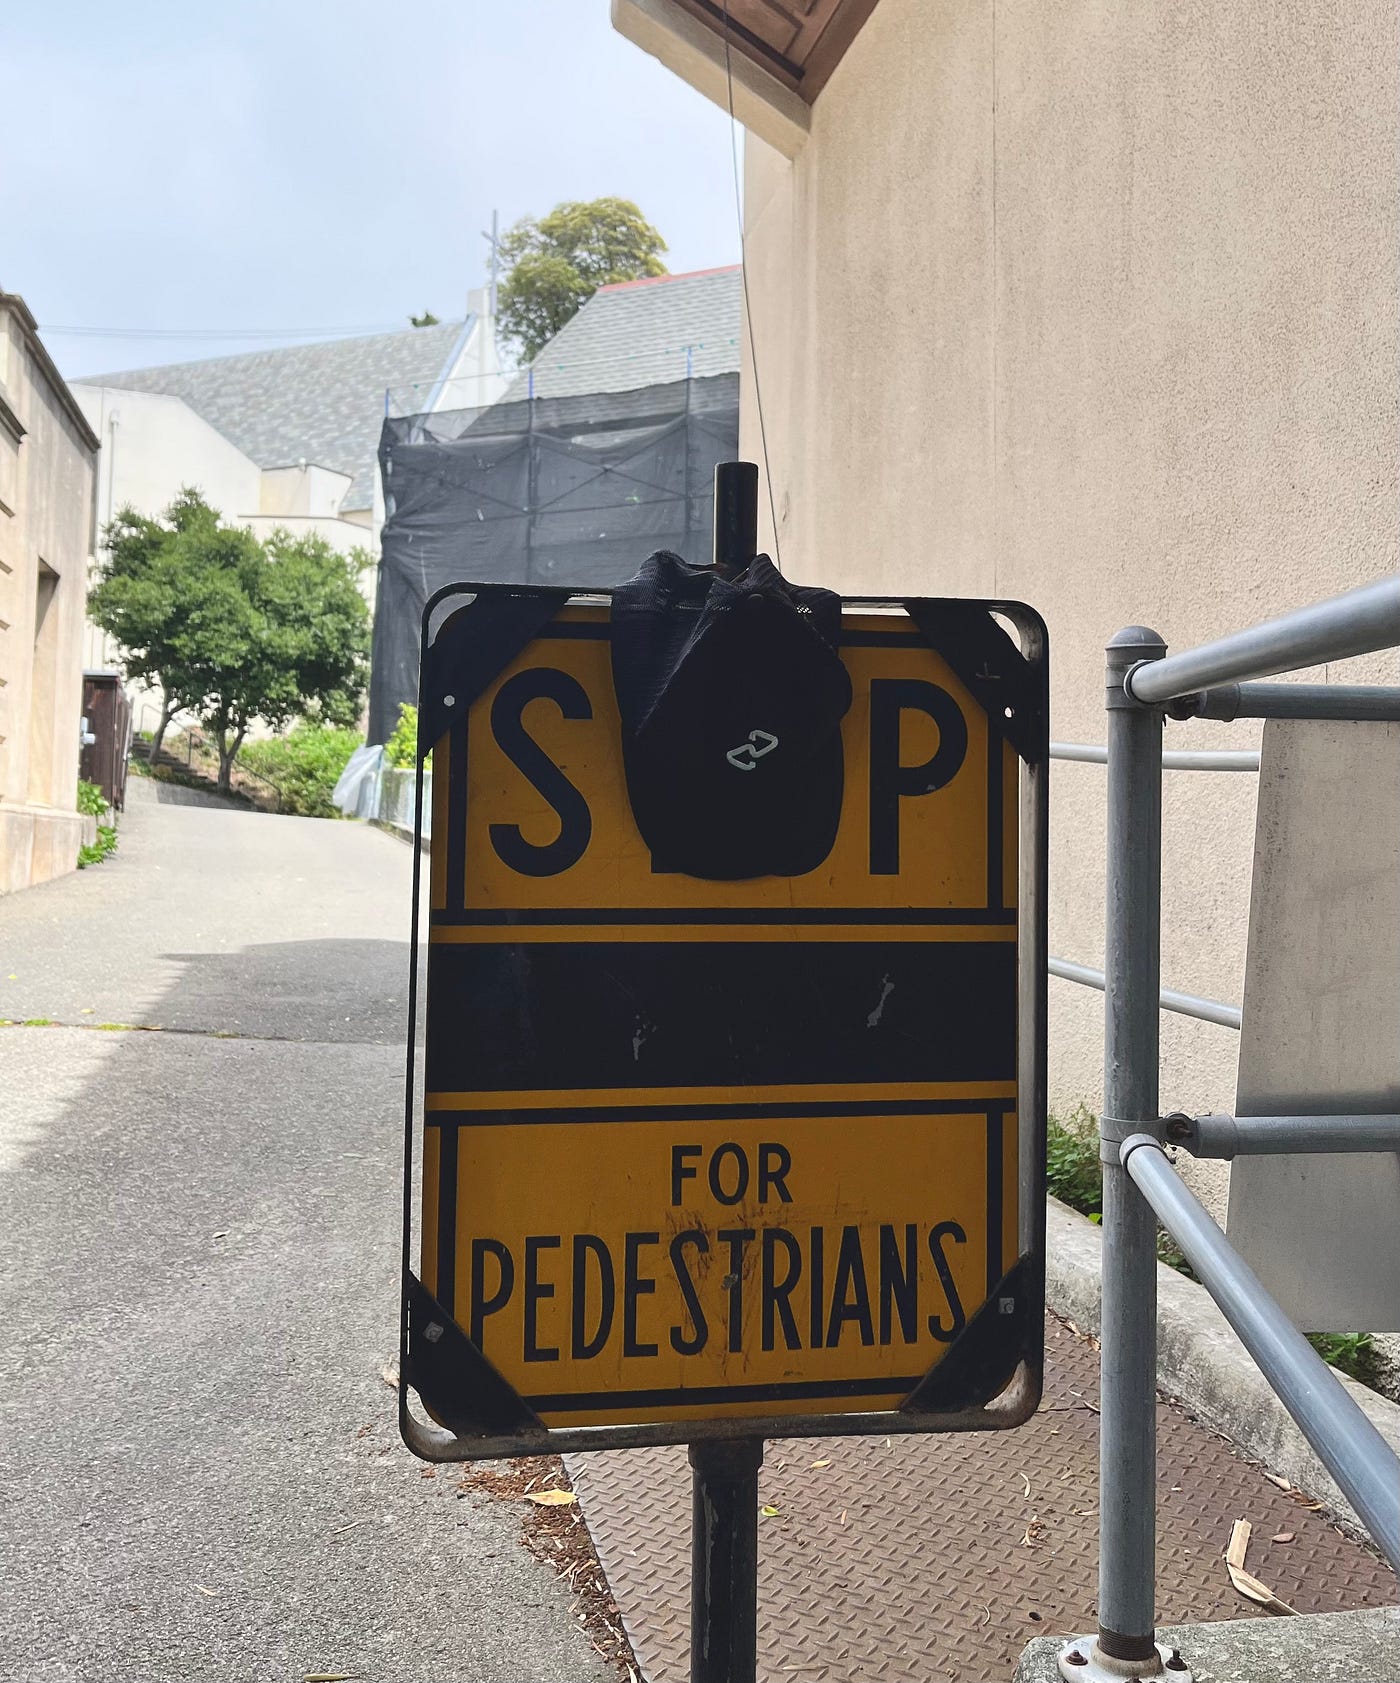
<point x="1074" y="1175"/>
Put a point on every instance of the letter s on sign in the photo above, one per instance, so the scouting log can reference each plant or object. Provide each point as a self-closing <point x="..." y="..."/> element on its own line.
<point x="530" y="859"/>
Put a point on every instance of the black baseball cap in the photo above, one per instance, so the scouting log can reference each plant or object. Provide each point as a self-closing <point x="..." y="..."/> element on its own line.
<point x="731" y="693"/>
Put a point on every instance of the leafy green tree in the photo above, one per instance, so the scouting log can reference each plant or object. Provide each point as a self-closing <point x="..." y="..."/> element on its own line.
<point x="232" y="629"/>
<point x="427" y="319"/>
<point x="555" y="264"/>
<point x="295" y="643"/>
<point x="153" y="591"/>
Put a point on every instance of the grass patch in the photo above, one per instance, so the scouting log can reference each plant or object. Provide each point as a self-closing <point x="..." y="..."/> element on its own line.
<point x="1351" y="1353"/>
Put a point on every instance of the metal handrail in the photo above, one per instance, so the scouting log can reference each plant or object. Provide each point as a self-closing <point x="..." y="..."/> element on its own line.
<point x="1139" y="1185"/>
<point x="1173" y="759"/>
<point x="1289" y="701"/>
<point x="1228" y="1137"/>
<point x="1349" y="1446"/>
<point x="1360" y="621"/>
<point x="1184" y="1004"/>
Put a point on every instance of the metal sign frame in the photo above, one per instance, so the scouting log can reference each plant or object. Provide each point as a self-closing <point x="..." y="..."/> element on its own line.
<point x="1011" y="685"/>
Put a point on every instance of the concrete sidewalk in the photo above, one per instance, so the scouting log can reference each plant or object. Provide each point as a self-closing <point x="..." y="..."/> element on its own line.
<point x="200" y="1474"/>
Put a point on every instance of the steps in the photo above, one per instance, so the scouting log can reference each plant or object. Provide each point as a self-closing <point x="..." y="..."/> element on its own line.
<point x="185" y="772"/>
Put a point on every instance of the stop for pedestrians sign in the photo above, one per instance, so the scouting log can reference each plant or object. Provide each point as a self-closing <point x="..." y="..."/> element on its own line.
<point x="698" y="1152"/>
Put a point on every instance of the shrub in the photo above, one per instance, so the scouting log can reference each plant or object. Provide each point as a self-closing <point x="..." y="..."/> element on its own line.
<point x="1073" y="1171"/>
<point x="92" y="803"/>
<point x="303" y="766"/>
<point x="401" y="750"/>
<point x="96" y="852"/>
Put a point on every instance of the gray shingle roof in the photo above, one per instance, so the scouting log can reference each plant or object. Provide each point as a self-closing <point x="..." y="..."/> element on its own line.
<point x="323" y="403"/>
<point x="637" y="333"/>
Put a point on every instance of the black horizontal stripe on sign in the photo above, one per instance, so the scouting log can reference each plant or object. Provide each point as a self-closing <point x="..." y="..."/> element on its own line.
<point x="797" y="1111"/>
<point x="571" y="631"/>
<point x="494" y="917"/>
<point x="677" y="1396"/>
<point x="557" y="1016"/>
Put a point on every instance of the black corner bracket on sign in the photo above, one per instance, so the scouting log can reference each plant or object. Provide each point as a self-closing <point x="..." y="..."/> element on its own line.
<point x="980" y="1364"/>
<point x="471" y="648"/>
<point x="1008" y="687"/>
<point x="443" y="1366"/>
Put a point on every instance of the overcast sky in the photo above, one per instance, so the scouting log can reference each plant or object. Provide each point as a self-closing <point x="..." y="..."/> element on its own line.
<point x="320" y="164"/>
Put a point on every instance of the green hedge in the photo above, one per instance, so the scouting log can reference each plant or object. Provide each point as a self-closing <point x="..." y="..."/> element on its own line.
<point x="304" y="765"/>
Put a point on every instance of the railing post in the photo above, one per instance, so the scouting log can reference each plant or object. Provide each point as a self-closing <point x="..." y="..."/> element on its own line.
<point x="1132" y="965"/>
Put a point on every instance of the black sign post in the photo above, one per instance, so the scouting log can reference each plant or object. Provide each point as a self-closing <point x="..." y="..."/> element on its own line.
<point x="724" y="1474"/>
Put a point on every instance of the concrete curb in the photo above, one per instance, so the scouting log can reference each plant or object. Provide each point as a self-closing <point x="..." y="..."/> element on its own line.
<point x="1316" y="1648"/>
<point x="1202" y="1363"/>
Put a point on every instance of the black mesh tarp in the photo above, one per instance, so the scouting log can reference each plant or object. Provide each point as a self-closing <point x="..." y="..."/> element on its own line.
<point x="571" y="491"/>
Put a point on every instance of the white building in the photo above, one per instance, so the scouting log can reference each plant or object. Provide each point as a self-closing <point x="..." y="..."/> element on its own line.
<point x="283" y="437"/>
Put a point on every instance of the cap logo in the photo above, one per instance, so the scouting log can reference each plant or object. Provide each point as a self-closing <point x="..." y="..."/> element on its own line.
<point x="747" y="755"/>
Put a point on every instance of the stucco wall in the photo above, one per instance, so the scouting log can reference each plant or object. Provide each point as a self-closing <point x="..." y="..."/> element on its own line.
<point x="1094" y="305"/>
<point x="46" y="523"/>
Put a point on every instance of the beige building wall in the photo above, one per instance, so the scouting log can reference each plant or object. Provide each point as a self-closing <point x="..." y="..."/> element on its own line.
<point x="47" y="483"/>
<point x="1094" y="305"/>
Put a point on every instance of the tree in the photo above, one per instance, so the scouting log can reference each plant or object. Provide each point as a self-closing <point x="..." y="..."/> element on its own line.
<point x="555" y="265"/>
<point x="295" y="642"/>
<point x="427" y="319"/>
<point x="153" y="595"/>
<point x="233" y="629"/>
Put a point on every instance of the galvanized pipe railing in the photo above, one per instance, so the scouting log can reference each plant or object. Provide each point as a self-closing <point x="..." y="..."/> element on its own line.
<point x="1228" y="1137"/>
<point x="1289" y="701"/>
<point x="1141" y="677"/>
<point x="1349" y="1446"/>
<point x="1173" y="759"/>
<point x="1169" y="999"/>
<point x="1359" y="622"/>
<point x="1132" y="963"/>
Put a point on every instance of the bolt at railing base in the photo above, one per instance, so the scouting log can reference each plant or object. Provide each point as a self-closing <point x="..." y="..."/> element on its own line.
<point x="1082" y="1661"/>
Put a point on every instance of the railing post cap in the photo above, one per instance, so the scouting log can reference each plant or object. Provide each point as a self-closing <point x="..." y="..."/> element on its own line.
<point x="1138" y="642"/>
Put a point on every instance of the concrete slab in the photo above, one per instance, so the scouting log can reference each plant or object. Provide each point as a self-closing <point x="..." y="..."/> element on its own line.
<point x="1325" y="1648"/>
<point x="220" y="922"/>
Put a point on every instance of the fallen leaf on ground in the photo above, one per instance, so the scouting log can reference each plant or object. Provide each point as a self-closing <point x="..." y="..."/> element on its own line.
<point x="768" y="1511"/>
<point x="817" y="1464"/>
<point x="1027" y="1483"/>
<point x="1245" y="1582"/>
<point x="552" y="1498"/>
<point x="843" y="1516"/>
<point x="1282" y="1537"/>
<point x="331" y="1676"/>
<point x="390" y="1378"/>
<point x="1282" y="1483"/>
<point x="203" y="1591"/>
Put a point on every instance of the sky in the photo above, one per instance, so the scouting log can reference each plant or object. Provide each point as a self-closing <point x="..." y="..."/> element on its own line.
<point x="268" y="165"/>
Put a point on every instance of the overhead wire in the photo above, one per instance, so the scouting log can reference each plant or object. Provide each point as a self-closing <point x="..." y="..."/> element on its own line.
<point x="344" y="332"/>
<point x="744" y="271"/>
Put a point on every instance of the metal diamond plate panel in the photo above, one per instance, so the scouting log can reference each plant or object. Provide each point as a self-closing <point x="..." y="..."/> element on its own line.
<point x="904" y="1560"/>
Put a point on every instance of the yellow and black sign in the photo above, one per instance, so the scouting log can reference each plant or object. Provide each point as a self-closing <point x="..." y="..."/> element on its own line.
<point x="695" y="1150"/>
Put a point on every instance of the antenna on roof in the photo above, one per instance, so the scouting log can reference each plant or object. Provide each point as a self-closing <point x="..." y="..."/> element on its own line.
<point x="493" y="267"/>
